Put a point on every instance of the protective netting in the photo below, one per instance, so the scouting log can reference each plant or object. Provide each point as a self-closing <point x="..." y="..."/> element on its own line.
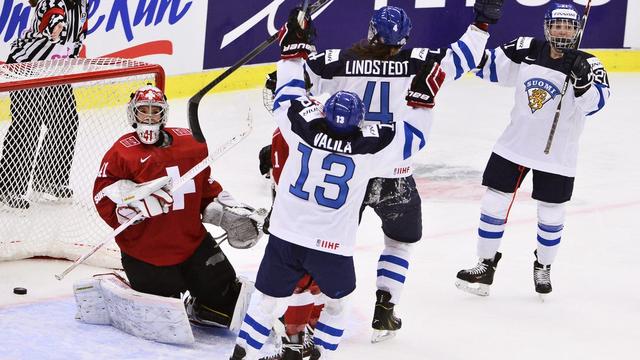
<point x="52" y="140"/>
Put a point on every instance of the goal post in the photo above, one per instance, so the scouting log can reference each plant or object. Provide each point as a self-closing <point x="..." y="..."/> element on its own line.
<point x="57" y="119"/>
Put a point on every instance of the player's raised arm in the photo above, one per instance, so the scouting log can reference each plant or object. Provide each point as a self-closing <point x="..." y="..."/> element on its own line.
<point x="467" y="52"/>
<point x="296" y="43"/>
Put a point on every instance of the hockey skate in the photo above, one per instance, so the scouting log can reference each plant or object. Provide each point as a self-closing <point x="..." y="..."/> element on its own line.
<point x="239" y="353"/>
<point x="385" y="323"/>
<point x="541" y="278"/>
<point x="59" y="194"/>
<point x="294" y="347"/>
<point x="200" y="315"/>
<point x="481" y="274"/>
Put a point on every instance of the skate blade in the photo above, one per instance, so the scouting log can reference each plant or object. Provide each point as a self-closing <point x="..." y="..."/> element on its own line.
<point x="48" y="198"/>
<point x="481" y="290"/>
<point x="542" y="297"/>
<point x="382" y="335"/>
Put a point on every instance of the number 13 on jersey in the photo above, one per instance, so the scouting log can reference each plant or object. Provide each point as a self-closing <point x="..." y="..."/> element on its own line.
<point x="340" y="181"/>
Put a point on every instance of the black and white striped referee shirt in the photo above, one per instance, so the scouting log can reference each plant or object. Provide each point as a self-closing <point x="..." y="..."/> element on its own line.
<point x="36" y="42"/>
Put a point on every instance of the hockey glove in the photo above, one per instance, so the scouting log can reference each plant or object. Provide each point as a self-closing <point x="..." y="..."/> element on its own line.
<point x="296" y="41"/>
<point x="272" y="79"/>
<point x="425" y="85"/>
<point x="159" y="202"/>
<point x="241" y="222"/>
<point x="150" y="198"/>
<point x="265" y="160"/>
<point x="488" y="11"/>
<point x="575" y="64"/>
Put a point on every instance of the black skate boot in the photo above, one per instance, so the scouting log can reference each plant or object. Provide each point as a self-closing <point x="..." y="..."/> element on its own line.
<point x="291" y="348"/>
<point x="239" y="353"/>
<point x="541" y="277"/>
<point x="481" y="274"/>
<point x="315" y="353"/>
<point x="385" y="323"/>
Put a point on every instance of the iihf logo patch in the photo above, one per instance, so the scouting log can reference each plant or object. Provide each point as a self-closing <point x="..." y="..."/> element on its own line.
<point x="540" y="91"/>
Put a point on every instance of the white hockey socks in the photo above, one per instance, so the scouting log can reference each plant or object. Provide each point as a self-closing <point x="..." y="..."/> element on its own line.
<point x="493" y="214"/>
<point x="256" y="326"/>
<point x="550" y="225"/>
<point x="392" y="267"/>
<point x="330" y="327"/>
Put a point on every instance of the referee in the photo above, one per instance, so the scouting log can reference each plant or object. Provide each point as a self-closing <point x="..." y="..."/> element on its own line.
<point x="57" y="30"/>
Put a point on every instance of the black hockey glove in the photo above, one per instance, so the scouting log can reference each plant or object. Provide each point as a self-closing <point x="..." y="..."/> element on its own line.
<point x="272" y="79"/>
<point x="265" y="160"/>
<point x="425" y="85"/>
<point x="575" y="64"/>
<point x="296" y="41"/>
<point x="488" y="11"/>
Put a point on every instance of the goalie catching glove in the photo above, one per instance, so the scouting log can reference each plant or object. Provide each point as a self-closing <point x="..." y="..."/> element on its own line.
<point x="425" y="85"/>
<point x="241" y="222"/>
<point x="150" y="198"/>
<point x="296" y="41"/>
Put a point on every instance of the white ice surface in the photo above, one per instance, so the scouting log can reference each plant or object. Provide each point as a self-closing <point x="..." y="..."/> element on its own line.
<point x="593" y="312"/>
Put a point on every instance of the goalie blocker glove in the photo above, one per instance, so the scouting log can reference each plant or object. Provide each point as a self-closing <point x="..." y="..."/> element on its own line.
<point x="576" y="65"/>
<point x="425" y="85"/>
<point x="296" y="41"/>
<point x="151" y="198"/>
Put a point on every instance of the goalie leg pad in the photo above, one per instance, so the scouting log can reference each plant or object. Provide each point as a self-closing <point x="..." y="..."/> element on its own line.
<point x="147" y="316"/>
<point x="92" y="308"/>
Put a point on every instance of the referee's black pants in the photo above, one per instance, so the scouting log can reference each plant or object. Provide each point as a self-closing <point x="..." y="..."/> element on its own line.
<point x="55" y="107"/>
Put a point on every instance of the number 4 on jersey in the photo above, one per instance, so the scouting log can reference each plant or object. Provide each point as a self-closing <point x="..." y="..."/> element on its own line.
<point x="383" y="116"/>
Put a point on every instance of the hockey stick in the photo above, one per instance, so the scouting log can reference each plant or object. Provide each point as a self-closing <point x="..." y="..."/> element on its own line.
<point x="556" y="117"/>
<point x="190" y="174"/>
<point x="194" y="101"/>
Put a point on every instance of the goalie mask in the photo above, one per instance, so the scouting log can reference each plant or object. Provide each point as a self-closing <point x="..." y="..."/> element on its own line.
<point x="148" y="113"/>
<point x="345" y="112"/>
<point x="389" y="25"/>
<point x="561" y="25"/>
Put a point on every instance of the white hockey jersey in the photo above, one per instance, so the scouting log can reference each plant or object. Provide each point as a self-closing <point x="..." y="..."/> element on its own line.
<point x="324" y="180"/>
<point x="525" y="64"/>
<point x="383" y="84"/>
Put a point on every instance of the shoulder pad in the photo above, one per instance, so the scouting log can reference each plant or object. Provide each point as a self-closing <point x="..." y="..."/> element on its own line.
<point x="325" y="57"/>
<point x="594" y="62"/>
<point x="129" y="140"/>
<point x="423" y="54"/>
<point x="523" y="42"/>
<point x="522" y="49"/>
<point x="180" y="131"/>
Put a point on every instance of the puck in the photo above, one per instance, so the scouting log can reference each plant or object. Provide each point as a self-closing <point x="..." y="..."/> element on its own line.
<point x="19" y="290"/>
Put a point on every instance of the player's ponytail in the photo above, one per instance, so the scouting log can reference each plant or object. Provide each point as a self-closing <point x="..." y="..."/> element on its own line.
<point x="33" y="3"/>
<point x="374" y="51"/>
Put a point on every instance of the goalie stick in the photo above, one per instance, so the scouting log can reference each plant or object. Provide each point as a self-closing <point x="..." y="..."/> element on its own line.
<point x="190" y="174"/>
<point x="194" y="101"/>
<point x="556" y="117"/>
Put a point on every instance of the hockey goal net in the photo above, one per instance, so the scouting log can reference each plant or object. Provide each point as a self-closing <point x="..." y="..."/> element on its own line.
<point x="57" y="119"/>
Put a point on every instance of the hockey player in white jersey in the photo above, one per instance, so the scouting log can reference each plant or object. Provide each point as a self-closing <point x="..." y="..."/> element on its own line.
<point x="332" y="157"/>
<point x="379" y="70"/>
<point x="537" y="70"/>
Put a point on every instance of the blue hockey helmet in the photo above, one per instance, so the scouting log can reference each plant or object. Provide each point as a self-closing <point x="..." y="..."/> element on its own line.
<point x="561" y="25"/>
<point x="345" y="112"/>
<point x="389" y="25"/>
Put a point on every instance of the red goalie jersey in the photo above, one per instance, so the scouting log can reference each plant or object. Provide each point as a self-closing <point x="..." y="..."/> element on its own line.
<point x="170" y="238"/>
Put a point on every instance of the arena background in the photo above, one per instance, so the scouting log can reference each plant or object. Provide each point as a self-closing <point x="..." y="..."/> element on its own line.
<point x="192" y="40"/>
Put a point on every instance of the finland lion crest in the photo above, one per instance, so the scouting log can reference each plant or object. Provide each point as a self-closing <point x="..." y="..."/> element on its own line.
<point x="540" y="91"/>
